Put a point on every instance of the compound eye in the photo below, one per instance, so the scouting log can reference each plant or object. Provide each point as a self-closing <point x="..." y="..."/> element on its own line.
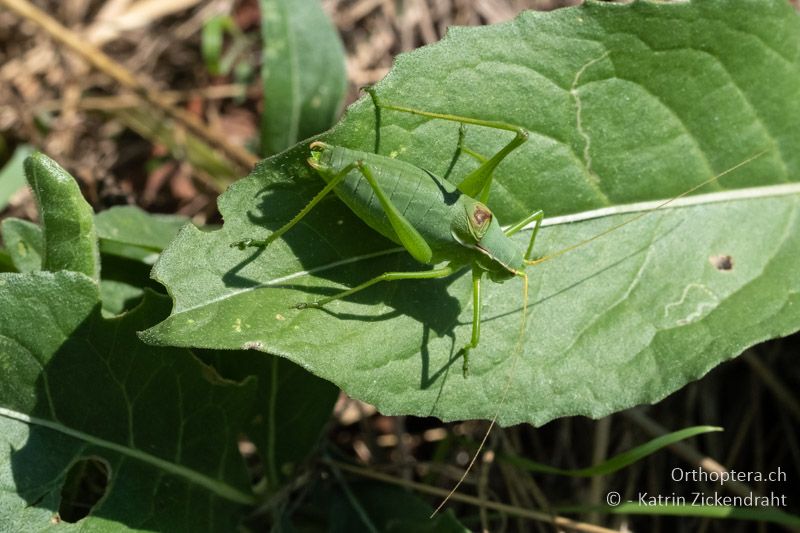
<point x="479" y="220"/>
<point x="482" y="215"/>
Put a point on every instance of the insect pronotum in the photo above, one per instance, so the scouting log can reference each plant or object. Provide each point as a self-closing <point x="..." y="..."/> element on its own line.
<point x="438" y="223"/>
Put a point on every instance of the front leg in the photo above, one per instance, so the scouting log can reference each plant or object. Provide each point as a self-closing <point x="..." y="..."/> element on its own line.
<point x="537" y="216"/>
<point x="476" y="318"/>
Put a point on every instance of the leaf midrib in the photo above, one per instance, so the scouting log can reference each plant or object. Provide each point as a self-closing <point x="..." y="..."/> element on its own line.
<point x="749" y="193"/>
<point x="222" y="490"/>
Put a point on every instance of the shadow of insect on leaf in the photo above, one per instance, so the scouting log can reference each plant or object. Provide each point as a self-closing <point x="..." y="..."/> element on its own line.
<point x="600" y="270"/>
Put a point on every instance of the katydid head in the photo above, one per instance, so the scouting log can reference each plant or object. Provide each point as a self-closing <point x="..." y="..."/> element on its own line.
<point x="478" y="229"/>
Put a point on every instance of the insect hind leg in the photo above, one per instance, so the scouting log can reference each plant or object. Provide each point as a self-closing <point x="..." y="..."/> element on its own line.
<point x="477" y="183"/>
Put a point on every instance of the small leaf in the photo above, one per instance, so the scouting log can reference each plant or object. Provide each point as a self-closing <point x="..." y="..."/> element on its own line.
<point x="70" y="241"/>
<point x="77" y="386"/>
<point x="616" y="463"/>
<point x="24" y="243"/>
<point x="303" y="72"/>
<point x="212" y="38"/>
<point x="129" y="232"/>
<point x="12" y="175"/>
<point x="130" y="240"/>
<point x="123" y="282"/>
<point x="118" y="297"/>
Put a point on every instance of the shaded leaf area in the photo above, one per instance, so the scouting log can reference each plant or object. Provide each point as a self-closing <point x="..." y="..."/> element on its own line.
<point x="132" y="233"/>
<point x="24" y="243"/>
<point x="125" y="268"/>
<point x="6" y="263"/>
<point x="293" y="407"/>
<point x="369" y="506"/>
<point x="130" y="241"/>
<point x="624" y="103"/>
<point x="302" y="71"/>
<point x="123" y="284"/>
<point x="105" y="410"/>
<point x="78" y="386"/>
<point x="296" y="402"/>
<point x="12" y="174"/>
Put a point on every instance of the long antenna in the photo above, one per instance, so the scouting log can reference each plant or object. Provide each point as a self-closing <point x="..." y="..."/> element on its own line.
<point x="645" y="213"/>
<point x="524" y="276"/>
<point x="517" y="351"/>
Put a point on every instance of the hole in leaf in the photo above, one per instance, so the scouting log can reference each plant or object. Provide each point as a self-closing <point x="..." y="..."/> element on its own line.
<point x="721" y="262"/>
<point x="84" y="486"/>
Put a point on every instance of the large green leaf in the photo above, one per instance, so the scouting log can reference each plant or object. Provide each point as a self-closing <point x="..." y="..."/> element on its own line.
<point x="302" y="71"/>
<point x="78" y="386"/>
<point x="625" y="103"/>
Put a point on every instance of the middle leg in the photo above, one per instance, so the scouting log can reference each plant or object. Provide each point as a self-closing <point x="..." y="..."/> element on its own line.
<point x="476" y="319"/>
<point x="387" y="276"/>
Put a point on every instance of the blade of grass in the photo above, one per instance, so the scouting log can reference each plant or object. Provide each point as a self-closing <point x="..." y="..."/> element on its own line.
<point x="689" y="453"/>
<point x="728" y="512"/>
<point x="617" y="462"/>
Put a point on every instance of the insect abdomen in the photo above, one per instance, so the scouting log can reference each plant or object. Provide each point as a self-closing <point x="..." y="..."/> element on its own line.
<point x="425" y="200"/>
